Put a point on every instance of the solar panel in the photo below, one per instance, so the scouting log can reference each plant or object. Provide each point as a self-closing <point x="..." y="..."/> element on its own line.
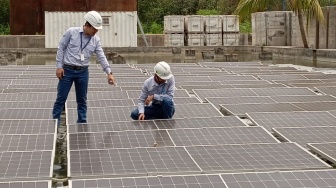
<point x="191" y="78"/>
<point x="177" y="93"/>
<point x="289" y="179"/>
<point x="40" y="90"/>
<point x="217" y="136"/>
<point x="231" y="77"/>
<point x="131" y="162"/>
<point x="302" y="98"/>
<point x="132" y="79"/>
<point x="282" y="77"/>
<point x="327" y="90"/>
<point x="28" y="142"/>
<point x="15" y="113"/>
<point x="254" y="157"/>
<point x="179" y="100"/>
<point x="282" y="91"/>
<point x="259" y="86"/>
<point x="304" y="135"/>
<point x="26" y="164"/>
<point x="26" y="104"/>
<point x="195" y="83"/>
<point x="189" y="88"/>
<point x="242" y="109"/>
<point x="292" y="119"/>
<point x="103" y="103"/>
<point x="111" y="126"/>
<point x="316" y="106"/>
<point x="125" y="139"/>
<point x="313" y="85"/>
<point x="321" y="76"/>
<point x="216" y="101"/>
<point x="325" y="150"/>
<point x="28" y="96"/>
<point x="205" y="93"/>
<point x="126" y="88"/>
<point x="24" y="184"/>
<point x="101" y="95"/>
<point x="247" y="82"/>
<point x="106" y="114"/>
<point x="225" y="121"/>
<point x="24" y="126"/>
<point x="196" y="110"/>
<point x="36" y="81"/>
<point x="209" y="181"/>
<point x="30" y="86"/>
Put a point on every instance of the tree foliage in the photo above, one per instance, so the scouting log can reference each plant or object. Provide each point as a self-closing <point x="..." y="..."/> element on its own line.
<point x="4" y="17"/>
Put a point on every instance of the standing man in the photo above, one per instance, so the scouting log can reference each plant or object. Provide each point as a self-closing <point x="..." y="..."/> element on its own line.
<point x="72" y="61"/>
<point x="156" y="99"/>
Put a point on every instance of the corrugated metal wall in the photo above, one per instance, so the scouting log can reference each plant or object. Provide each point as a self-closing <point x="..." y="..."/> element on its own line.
<point x="21" y="23"/>
<point x="120" y="32"/>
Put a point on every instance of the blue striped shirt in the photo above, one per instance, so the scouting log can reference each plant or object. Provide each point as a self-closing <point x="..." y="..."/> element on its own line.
<point x="69" y="49"/>
<point x="150" y="87"/>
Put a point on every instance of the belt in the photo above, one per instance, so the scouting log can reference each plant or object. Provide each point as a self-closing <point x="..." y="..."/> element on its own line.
<point x="73" y="67"/>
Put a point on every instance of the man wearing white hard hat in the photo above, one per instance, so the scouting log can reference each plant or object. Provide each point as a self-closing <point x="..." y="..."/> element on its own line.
<point x="156" y="98"/>
<point x="72" y="62"/>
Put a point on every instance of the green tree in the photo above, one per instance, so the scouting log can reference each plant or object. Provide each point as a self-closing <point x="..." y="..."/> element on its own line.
<point x="309" y="8"/>
<point x="4" y="17"/>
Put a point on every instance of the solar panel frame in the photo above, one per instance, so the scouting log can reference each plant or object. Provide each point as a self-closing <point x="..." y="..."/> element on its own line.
<point x="204" y="93"/>
<point x="327" y="90"/>
<point x="302" y="98"/>
<point x="24" y="126"/>
<point x="316" y="105"/>
<point x="111" y="126"/>
<point x="30" y="184"/>
<point x="290" y="179"/>
<point x="25" y="113"/>
<point x="124" y="139"/>
<point x="291" y="119"/>
<point x="216" y="101"/>
<point x="130" y="162"/>
<point x="241" y="109"/>
<point x="101" y="95"/>
<point x="134" y="94"/>
<point x="188" y="123"/>
<point x="209" y="181"/>
<point x="103" y="103"/>
<point x="254" y="157"/>
<point x="231" y="77"/>
<point x="325" y="150"/>
<point x="282" y="91"/>
<point x="26" y="165"/>
<point x="220" y="136"/>
<point x="26" y="104"/>
<point x="105" y="114"/>
<point x="196" y="110"/>
<point x="29" y="142"/>
<point x="178" y="100"/>
<point x="304" y="135"/>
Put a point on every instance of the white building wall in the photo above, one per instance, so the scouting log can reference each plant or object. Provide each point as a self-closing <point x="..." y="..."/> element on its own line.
<point x="120" y="31"/>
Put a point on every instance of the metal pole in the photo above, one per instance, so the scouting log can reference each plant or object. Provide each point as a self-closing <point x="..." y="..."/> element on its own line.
<point x="142" y="32"/>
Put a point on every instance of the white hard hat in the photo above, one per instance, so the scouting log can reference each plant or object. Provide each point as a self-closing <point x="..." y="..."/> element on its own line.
<point x="162" y="70"/>
<point x="94" y="19"/>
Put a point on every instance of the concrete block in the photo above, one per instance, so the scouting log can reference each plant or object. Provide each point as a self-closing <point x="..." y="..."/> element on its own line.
<point x="195" y="39"/>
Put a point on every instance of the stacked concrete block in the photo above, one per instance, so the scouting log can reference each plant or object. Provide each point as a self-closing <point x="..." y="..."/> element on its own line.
<point x="174" y="30"/>
<point x="213" y="30"/>
<point x="194" y="27"/>
<point x="271" y="28"/>
<point x="230" y="30"/>
<point x="331" y="27"/>
<point x="258" y="29"/>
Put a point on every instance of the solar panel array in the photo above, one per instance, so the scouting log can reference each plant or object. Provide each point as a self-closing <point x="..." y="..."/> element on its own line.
<point x="206" y="144"/>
